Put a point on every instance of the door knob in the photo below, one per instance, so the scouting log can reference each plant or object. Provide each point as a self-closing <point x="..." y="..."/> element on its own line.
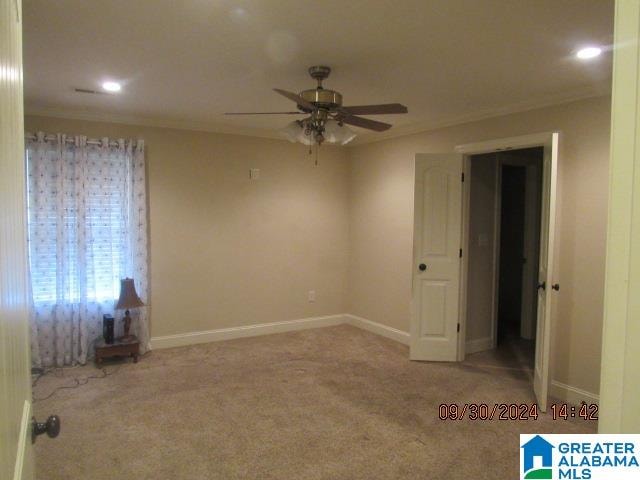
<point x="556" y="287"/>
<point x="542" y="286"/>
<point x="51" y="427"/>
<point x="422" y="267"/>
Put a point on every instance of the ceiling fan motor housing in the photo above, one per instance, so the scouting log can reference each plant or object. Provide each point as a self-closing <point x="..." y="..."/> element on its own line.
<point x="322" y="98"/>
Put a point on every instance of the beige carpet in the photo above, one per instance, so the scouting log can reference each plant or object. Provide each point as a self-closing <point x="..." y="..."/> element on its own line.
<point x="331" y="403"/>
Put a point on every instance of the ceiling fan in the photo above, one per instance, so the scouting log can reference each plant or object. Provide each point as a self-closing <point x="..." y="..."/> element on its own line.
<point x="326" y="116"/>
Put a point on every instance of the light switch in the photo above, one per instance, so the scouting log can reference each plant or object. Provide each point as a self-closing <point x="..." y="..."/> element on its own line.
<point x="483" y="240"/>
<point x="254" y="173"/>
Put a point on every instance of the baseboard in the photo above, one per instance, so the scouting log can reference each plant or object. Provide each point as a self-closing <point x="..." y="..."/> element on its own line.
<point x="192" y="338"/>
<point x="572" y="395"/>
<point x="378" y="328"/>
<point x="478" y="345"/>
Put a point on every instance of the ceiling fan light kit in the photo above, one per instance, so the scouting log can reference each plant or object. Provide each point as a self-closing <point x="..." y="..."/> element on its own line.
<point x="326" y="116"/>
<point x="334" y="132"/>
<point x="295" y="132"/>
<point x="300" y="132"/>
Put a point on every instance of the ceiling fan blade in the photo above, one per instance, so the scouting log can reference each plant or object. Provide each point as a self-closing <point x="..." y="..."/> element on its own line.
<point x="386" y="108"/>
<point x="296" y="98"/>
<point x="365" y="123"/>
<point x="265" y="113"/>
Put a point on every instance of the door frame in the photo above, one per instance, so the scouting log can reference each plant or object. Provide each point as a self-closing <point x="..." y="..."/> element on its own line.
<point x="17" y="460"/>
<point x="544" y="139"/>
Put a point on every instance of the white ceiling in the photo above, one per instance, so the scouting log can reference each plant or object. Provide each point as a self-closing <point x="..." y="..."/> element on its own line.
<point x="184" y="63"/>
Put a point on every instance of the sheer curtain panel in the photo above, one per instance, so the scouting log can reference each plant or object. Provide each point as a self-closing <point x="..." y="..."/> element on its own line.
<point x="87" y="219"/>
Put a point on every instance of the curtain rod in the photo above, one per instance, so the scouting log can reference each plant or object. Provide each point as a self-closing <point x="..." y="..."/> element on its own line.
<point x="71" y="139"/>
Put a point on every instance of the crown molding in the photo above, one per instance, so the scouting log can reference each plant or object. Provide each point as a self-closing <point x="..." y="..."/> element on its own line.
<point x="428" y="126"/>
<point x="361" y="139"/>
<point x="158" y="122"/>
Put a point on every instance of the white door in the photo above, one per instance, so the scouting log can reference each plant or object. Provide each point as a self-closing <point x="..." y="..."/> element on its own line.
<point x="436" y="257"/>
<point x="545" y="280"/>
<point x="15" y="381"/>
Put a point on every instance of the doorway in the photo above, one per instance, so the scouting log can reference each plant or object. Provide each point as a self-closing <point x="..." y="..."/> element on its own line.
<point x="503" y="255"/>
<point x="443" y="246"/>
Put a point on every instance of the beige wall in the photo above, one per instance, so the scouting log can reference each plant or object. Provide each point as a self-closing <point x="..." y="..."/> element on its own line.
<point x="381" y="222"/>
<point x="227" y="251"/>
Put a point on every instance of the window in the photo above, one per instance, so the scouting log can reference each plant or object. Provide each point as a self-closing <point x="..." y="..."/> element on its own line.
<point x="87" y="229"/>
<point x="79" y="201"/>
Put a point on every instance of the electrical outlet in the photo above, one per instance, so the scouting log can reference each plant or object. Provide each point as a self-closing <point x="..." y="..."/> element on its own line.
<point x="311" y="296"/>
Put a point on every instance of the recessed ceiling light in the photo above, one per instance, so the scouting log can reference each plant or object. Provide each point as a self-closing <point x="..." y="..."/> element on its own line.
<point x="111" y="86"/>
<point x="588" y="52"/>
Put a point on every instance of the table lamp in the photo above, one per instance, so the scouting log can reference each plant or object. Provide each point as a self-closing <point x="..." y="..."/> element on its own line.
<point x="128" y="299"/>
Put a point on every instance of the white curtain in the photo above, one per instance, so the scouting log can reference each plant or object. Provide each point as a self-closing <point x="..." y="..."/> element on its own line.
<point x="87" y="219"/>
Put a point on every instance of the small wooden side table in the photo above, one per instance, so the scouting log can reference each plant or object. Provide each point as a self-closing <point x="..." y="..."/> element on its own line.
<point x="129" y="347"/>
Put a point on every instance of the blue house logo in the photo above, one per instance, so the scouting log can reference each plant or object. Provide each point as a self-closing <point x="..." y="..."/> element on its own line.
<point x="537" y="447"/>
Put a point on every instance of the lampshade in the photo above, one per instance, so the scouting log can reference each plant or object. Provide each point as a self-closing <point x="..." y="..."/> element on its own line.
<point x="294" y="132"/>
<point x="306" y="139"/>
<point x="334" y="133"/>
<point x="128" y="295"/>
<point x="291" y="131"/>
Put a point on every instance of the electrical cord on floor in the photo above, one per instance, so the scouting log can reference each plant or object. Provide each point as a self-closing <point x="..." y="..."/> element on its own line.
<point x="78" y="381"/>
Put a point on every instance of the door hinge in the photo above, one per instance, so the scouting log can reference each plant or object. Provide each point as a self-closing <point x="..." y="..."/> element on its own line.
<point x="458" y="328"/>
<point x="463" y="176"/>
<point x="460" y="253"/>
